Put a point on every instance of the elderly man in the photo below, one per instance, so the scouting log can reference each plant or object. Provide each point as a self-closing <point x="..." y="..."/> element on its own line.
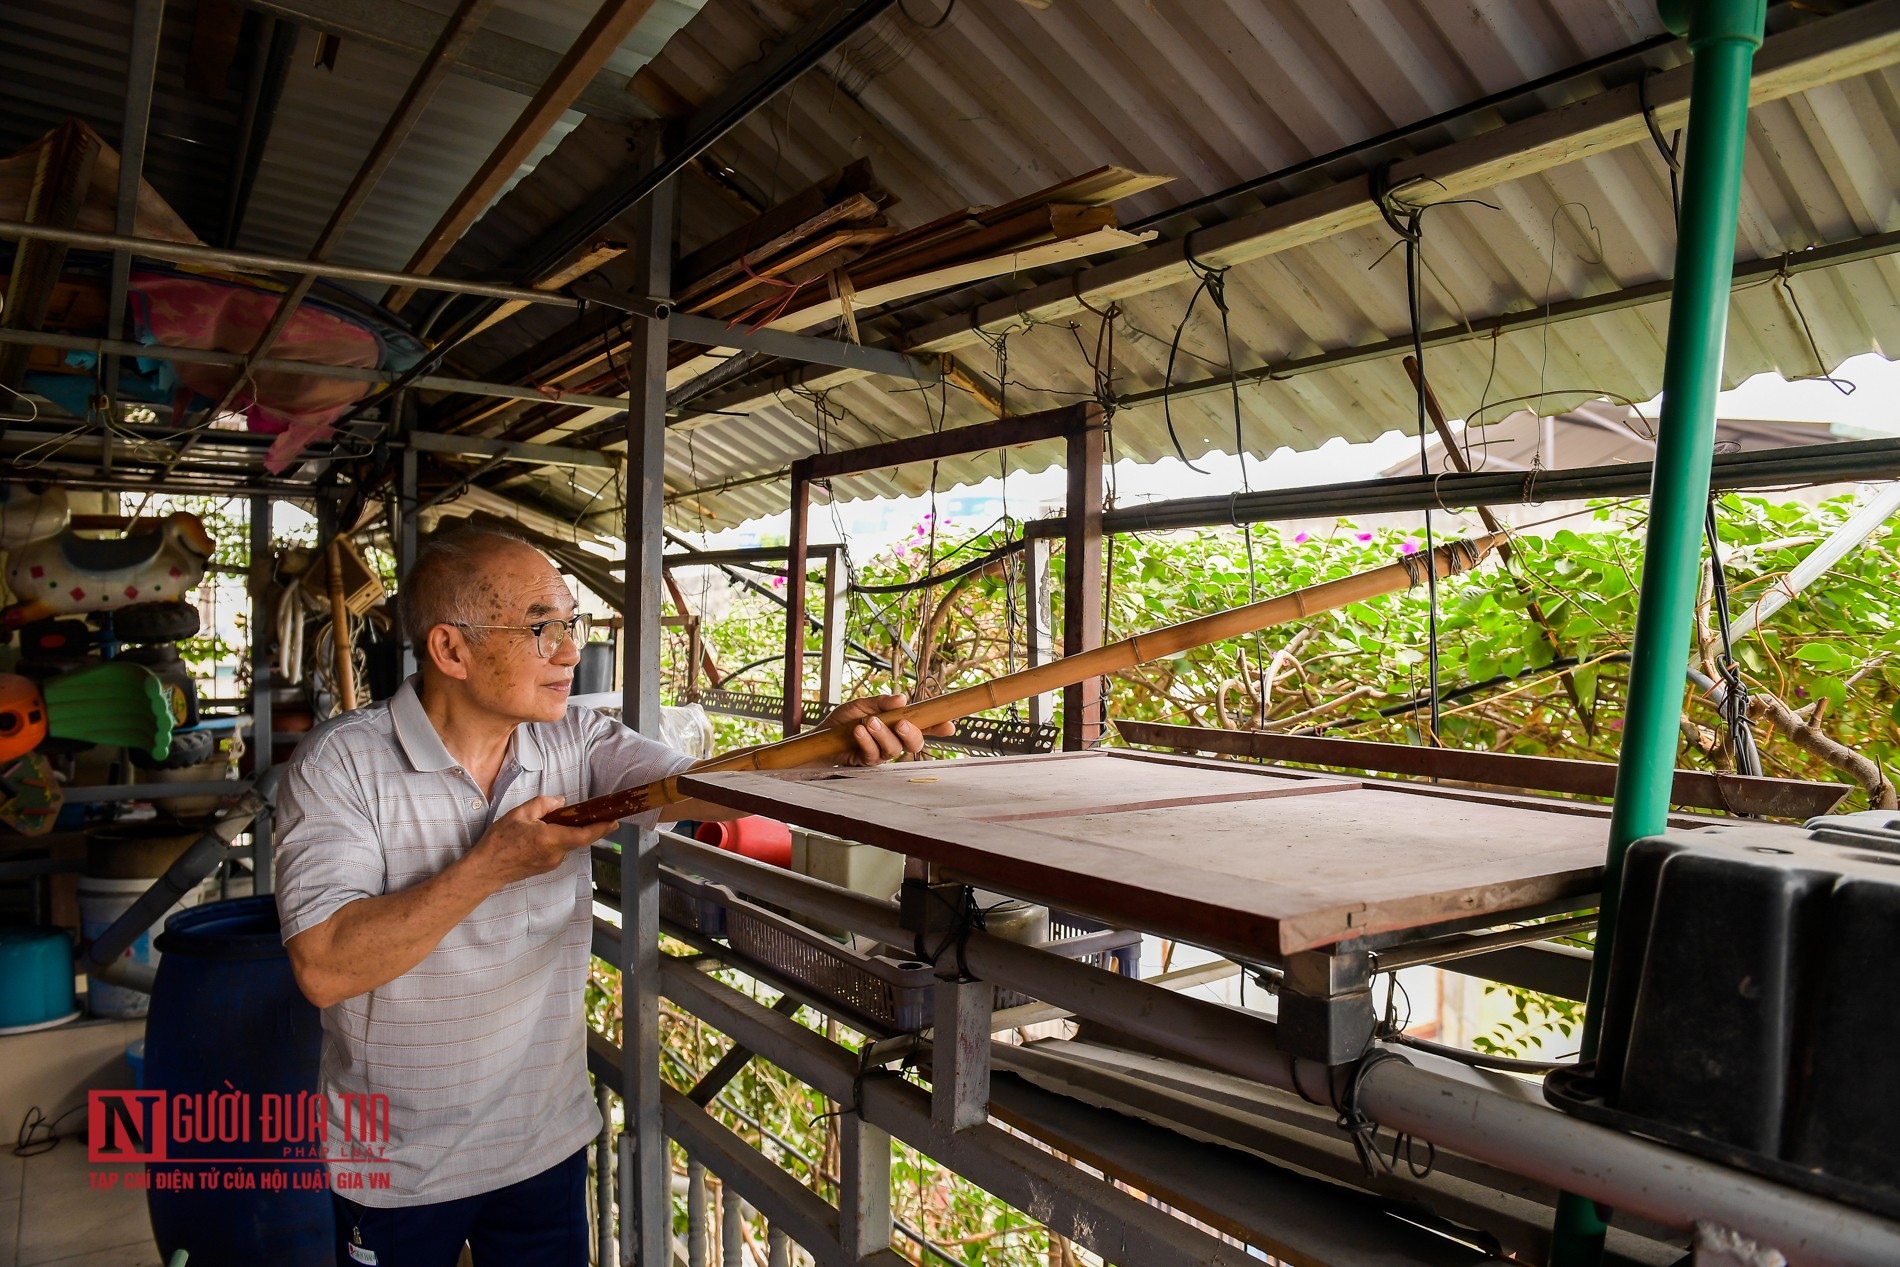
<point x="443" y="926"/>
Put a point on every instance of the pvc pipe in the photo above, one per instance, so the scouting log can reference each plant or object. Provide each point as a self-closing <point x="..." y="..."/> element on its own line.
<point x="186" y="872"/>
<point x="1625" y="1171"/>
<point x="1845" y="540"/>
<point x="250" y="261"/>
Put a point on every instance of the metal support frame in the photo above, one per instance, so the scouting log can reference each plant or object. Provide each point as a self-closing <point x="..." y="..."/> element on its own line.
<point x="1497" y="1121"/>
<point x="1326" y="1009"/>
<point x="1082" y="704"/>
<point x="759" y="83"/>
<point x="252" y="261"/>
<point x="864" y="1188"/>
<point x="408" y="514"/>
<point x="263" y="624"/>
<point x="141" y="74"/>
<point x="645" y="1182"/>
<point x="1040" y="615"/>
<point x="351" y="373"/>
<point x="512" y="451"/>
<point x="1723" y="38"/>
<point x="1080" y="426"/>
<point x="1696" y="789"/>
<point x="798" y="539"/>
<point x="609" y="27"/>
<point x="604" y="1178"/>
<point x="941" y="915"/>
<point x="831" y="637"/>
<point x="960" y="1070"/>
<point x="711" y="332"/>
<point x="461" y="26"/>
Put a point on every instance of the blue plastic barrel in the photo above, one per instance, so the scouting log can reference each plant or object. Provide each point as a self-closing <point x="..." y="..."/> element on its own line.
<point x="228" y="1020"/>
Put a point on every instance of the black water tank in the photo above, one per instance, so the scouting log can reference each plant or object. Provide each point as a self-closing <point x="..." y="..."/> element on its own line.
<point x="1746" y="1016"/>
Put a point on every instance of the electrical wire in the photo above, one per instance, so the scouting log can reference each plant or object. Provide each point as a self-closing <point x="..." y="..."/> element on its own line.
<point x="1481" y="1059"/>
<point x="1741" y="735"/>
<point x="1408" y="223"/>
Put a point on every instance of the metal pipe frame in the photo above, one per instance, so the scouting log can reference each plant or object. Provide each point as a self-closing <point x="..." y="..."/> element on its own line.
<point x="208" y="356"/>
<point x="262" y="628"/>
<point x="251" y="261"/>
<point x="762" y="81"/>
<point x="1081" y="427"/>
<point x="148" y="22"/>
<point x="1086" y="1209"/>
<point x="1491" y="1118"/>
<point x="645" y="1176"/>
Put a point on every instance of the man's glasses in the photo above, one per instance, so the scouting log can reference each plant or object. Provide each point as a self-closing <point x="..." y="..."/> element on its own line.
<point x="549" y="635"/>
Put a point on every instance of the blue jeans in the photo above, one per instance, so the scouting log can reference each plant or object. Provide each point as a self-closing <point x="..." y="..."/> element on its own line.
<point x="539" y="1222"/>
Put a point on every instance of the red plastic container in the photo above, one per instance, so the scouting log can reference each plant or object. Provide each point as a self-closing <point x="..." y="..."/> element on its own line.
<point x="760" y="839"/>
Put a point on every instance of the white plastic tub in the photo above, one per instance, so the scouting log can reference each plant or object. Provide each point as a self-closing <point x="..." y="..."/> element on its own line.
<point x="102" y="901"/>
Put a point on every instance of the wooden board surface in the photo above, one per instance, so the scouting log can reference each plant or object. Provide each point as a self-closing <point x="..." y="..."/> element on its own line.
<point x="1244" y="859"/>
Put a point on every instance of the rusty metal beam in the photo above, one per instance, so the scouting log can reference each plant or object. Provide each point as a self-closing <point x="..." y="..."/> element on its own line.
<point x="1696" y="789"/>
<point x="612" y="23"/>
<point x="1053" y="424"/>
<point x="1082" y="576"/>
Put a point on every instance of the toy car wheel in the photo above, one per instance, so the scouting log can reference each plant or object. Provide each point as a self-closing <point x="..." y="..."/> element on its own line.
<point x="155" y="622"/>
<point x="189" y="747"/>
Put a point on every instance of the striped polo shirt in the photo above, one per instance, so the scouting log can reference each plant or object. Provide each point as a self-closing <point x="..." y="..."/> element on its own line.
<point x="481" y="1047"/>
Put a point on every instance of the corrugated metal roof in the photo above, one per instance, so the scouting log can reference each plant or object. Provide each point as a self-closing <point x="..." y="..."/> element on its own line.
<point x="69" y="59"/>
<point x="328" y="119"/>
<point x="1007" y="98"/>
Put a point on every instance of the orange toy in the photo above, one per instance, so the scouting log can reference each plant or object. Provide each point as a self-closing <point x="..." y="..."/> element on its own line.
<point x="22" y="716"/>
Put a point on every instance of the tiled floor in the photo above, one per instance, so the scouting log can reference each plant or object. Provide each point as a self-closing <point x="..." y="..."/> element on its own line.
<point x="52" y="1216"/>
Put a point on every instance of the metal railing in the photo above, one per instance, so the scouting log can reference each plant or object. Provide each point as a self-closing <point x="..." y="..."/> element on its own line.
<point x="1197" y="1201"/>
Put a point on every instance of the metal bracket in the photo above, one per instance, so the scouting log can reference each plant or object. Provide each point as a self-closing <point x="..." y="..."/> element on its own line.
<point x="1326" y="1011"/>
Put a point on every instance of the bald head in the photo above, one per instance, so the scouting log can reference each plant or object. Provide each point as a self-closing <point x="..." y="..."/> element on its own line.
<point x="454" y="580"/>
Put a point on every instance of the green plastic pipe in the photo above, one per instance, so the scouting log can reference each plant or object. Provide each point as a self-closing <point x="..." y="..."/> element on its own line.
<point x="1723" y="36"/>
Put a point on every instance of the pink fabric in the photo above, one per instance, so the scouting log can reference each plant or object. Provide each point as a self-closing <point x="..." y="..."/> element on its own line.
<point x="216" y="314"/>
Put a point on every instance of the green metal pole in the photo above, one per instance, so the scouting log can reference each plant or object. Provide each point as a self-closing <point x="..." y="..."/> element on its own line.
<point x="1723" y="36"/>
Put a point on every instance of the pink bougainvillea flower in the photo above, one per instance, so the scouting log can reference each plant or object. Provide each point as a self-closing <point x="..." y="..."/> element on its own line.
<point x="1363" y="536"/>
<point x="778" y="582"/>
<point x="1409" y="546"/>
<point x="1301" y="538"/>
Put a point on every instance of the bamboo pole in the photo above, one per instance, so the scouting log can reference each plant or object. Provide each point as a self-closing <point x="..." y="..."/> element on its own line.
<point x="1532" y="607"/>
<point x="340" y="633"/>
<point x="834" y="742"/>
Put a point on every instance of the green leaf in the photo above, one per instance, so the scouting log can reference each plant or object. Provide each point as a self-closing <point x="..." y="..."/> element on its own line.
<point x="1831" y="689"/>
<point x="1824" y="654"/>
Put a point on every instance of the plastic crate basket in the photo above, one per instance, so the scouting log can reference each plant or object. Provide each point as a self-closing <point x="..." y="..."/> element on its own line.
<point x="892" y="993"/>
<point x="693" y="905"/>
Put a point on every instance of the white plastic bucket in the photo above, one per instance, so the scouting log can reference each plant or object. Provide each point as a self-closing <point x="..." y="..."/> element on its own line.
<point x="102" y="901"/>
